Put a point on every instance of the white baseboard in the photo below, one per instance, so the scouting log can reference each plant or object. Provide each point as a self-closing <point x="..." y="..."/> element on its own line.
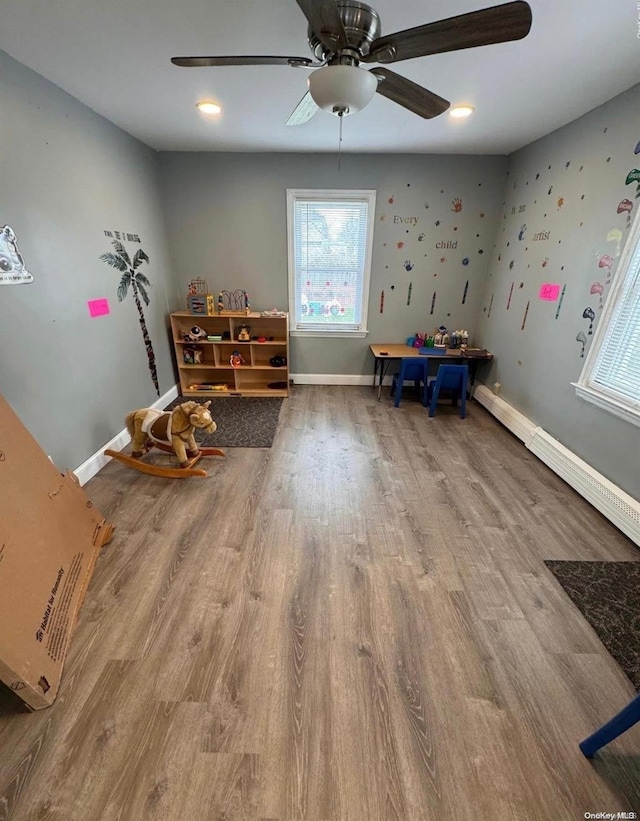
<point x="619" y="508"/>
<point x="88" y="469"/>
<point x="335" y="379"/>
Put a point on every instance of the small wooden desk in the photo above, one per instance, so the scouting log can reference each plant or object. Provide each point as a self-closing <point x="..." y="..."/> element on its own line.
<point x="382" y="354"/>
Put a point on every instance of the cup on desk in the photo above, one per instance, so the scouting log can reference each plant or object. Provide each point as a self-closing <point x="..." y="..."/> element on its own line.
<point x="410" y="341"/>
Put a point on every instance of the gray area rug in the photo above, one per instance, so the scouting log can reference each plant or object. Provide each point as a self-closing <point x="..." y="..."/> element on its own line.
<point x="243" y="421"/>
<point x="608" y="596"/>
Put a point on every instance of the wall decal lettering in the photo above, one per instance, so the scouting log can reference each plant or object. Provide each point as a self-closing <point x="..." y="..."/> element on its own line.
<point x="122" y="235"/>
<point x="406" y="220"/>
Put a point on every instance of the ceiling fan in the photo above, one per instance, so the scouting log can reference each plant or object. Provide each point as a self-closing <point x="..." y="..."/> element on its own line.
<point x="344" y="33"/>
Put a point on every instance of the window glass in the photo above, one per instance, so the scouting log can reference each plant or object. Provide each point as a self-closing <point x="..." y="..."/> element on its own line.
<point x="330" y="237"/>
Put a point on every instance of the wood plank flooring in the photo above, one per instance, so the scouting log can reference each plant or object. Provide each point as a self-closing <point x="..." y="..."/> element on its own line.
<point x="354" y="624"/>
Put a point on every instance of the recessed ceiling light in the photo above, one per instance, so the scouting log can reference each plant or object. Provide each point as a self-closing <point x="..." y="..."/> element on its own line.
<point x="208" y="107"/>
<point x="462" y="111"/>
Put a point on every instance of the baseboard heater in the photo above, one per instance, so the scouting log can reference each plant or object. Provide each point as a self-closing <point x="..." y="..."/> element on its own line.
<point x="622" y="510"/>
<point x="519" y="424"/>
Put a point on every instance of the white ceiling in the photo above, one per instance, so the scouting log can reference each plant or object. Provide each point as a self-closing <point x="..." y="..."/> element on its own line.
<point x="114" y="56"/>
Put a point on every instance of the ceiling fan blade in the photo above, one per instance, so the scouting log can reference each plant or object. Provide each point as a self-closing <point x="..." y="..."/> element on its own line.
<point x="304" y="111"/>
<point x="326" y="23"/>
<point x="409" y="94"/>
<point x="248" y="60"/>
<point x="498" y="24"/>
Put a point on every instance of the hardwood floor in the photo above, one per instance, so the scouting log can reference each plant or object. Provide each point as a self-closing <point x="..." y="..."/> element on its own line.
<point x="355" y="624"/>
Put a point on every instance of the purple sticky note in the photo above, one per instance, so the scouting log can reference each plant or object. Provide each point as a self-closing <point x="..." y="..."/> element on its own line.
<point x="98" y="307"/>
<point x="549" y="292"/>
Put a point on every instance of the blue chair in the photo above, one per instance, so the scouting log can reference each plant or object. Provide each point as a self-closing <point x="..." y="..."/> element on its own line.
<point x="626" y="718"/>
<point x="451" y="378"/>
<point x="411" y="369"/>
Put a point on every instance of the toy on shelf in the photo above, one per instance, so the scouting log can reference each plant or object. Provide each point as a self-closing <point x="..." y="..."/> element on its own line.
<point x="236" y="359"/>
<point x="209" y="386"/>
<point x="194" y="334"/>
<point x="193" y="355"/>
<point x="234" y="303"/>
<point x="197" y="286"/>
<point x="244" y="333"/>
<point x="172" y="432"/>
<point x="199" y="301"/>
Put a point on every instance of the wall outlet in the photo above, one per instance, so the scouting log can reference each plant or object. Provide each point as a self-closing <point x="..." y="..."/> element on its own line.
<point x="497" y="387"/>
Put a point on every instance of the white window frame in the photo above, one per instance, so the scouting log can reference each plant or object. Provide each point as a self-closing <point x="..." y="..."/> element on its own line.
<point x="586" y="387"/>
<point x="294" y="194"/>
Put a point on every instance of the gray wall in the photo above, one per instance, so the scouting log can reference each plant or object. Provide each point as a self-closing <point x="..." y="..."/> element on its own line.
<point x="226" y="222"/>
<point x="67" y="176"/>
<point x="569" y="184"/>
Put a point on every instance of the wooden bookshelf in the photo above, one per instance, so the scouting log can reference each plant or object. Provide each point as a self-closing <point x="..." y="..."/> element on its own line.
<point x="254" y="376"/>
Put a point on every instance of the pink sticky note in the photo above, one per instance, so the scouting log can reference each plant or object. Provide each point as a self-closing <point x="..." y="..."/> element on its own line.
<point x="98" y="307"/>
<point x="549" y="292"/>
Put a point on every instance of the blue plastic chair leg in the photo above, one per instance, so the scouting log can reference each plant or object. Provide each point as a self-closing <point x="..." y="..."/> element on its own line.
<point x="411" y="369"/>
<point x="626" y="718"/>
<point x="435" y="392"/>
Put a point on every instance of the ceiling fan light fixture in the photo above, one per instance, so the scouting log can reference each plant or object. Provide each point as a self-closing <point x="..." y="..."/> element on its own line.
<point x="461" y="111"/>
<point x="342" y="89"/>
<point x="208" y="107"/>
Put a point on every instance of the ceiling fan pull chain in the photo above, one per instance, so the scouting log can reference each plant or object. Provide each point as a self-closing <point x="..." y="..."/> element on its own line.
<point x="340" y="118"/>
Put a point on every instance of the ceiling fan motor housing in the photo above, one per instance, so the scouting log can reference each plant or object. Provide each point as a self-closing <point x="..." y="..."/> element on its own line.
<point x="361" y="24"/>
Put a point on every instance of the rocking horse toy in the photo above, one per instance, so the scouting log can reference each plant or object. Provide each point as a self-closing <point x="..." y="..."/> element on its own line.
<point x="172" y="432"/>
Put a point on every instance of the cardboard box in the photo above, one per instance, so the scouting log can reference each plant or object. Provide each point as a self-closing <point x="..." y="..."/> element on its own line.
<point x="50" y="537"/>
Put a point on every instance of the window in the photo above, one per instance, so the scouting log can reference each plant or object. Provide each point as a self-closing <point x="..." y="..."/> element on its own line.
<point x="611" y="374"/>
<point x="330" y="239"/>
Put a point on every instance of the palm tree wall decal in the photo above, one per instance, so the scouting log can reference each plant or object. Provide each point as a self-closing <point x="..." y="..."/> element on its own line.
<point x="138" y="282"/>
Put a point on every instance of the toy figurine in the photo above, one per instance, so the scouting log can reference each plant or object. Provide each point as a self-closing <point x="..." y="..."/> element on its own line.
<point x="236" y="359"/>
<point x="244" y="333"/>
<point x="194" y="334"/>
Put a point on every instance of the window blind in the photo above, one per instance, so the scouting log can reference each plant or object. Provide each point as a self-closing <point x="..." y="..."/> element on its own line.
<point x="330" y="249"/>
<point x="617" y="367"/>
